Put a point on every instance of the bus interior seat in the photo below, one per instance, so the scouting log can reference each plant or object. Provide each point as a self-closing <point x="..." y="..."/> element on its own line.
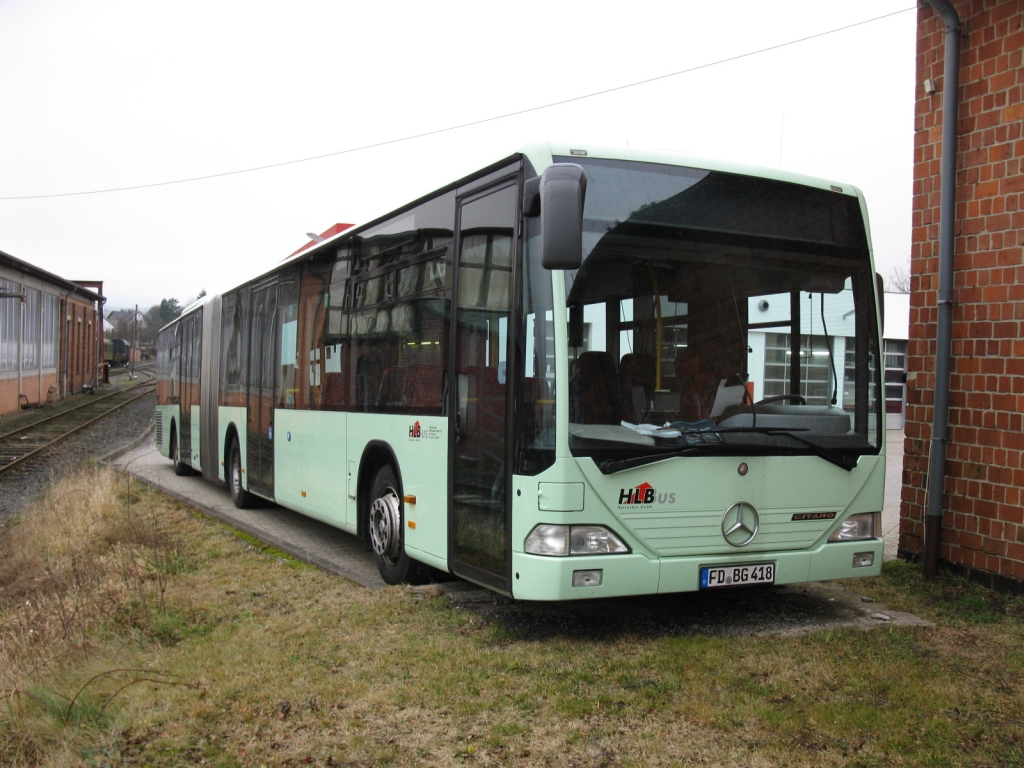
<point x="698" y="384"/>
<point x="332" y="391"/>
<point x="423" y="386"/>
<point x="594" y="390"/>
<point x="705" y="374"/>
<point x="484" y="399"/>
<point x="533" y="392"/>
<point x="392" y="387"/>
<point x="636" y="385"/>
<point x="364" y="384"/>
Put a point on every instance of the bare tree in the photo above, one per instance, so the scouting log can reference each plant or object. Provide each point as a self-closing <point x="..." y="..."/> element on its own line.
<point x="156" y="317"/>
<point x="899" y="278"/>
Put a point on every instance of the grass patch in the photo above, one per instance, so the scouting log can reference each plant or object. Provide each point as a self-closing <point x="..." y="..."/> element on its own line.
<point x="950" y="599"/>
<point x="266" y="549"/>
<point x="134" y="633"/>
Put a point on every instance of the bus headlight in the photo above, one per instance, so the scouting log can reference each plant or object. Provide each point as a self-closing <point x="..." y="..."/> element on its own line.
<point x="551" y="540"/>
<point x="563" y="540"/>
<point x="867" y="525"/>
<point x="594" y="540"/>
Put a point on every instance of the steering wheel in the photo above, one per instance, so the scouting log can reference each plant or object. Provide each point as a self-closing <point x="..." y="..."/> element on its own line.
<point x="775" y="398"/>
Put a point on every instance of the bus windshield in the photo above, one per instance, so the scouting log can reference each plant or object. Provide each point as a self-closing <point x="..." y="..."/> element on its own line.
<point x="720" y="313"/>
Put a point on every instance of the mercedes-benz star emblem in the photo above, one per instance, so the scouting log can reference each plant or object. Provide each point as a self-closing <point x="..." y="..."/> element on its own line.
<point x="739" y="524"/>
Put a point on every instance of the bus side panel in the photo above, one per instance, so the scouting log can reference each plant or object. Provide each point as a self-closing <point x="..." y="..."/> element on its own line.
<point x="420" y="444"/>
<point x="309" y="465"/>
<point x="197" y="433"/>
<point x="165" y="414"/>
<point x="232" y="416"/>
<point x="550" y="578"/>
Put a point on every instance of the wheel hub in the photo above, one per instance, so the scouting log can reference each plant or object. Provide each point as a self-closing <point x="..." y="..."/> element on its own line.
<point x="385" y="522"/>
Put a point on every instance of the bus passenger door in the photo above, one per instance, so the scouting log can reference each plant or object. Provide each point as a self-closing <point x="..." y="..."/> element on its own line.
<point x="479" y="515"/>
<point x="260" y="442"/>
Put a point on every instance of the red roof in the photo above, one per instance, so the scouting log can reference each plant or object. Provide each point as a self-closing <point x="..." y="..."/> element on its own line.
<point x="326" y="234"/>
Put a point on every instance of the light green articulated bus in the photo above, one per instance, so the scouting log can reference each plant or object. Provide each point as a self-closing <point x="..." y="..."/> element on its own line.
<point x="579" y="372"/>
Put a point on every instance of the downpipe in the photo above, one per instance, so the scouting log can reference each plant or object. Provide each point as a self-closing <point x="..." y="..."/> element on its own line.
<point x="943" y="348"/>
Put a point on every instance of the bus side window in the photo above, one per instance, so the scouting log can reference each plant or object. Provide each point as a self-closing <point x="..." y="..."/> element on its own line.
<point x="333" y="330"/>
<point x="400" y="307"/>
<point x="233" y="348"/>
<point x="287" y="330"/>
<point x="313" y="297"/>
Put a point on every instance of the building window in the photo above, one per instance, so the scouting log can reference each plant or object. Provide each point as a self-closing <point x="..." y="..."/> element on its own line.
<point x="49" y="330"/>
<point x="10" y="326"/>
<point x="815" y="368"/>
<point x="30" y="338"/>
<point x="895" y="374"/>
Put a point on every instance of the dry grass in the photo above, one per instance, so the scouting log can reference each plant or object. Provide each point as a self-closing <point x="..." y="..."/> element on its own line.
<point x="180" y="643"/>
<point x="84" y="571"/>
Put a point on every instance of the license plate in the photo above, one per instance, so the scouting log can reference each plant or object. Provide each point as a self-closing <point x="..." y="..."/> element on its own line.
<point x="736" y="575"/>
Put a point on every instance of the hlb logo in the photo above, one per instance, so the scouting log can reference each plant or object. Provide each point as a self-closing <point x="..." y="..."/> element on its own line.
<point x="414" y="431"/>
<point x="644" y="494"/>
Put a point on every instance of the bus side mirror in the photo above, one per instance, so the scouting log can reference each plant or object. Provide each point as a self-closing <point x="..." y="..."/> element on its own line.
<point x="563" y="189"/>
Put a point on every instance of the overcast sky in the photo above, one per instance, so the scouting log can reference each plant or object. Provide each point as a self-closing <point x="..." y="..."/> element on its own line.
<point x="108" y="94"/>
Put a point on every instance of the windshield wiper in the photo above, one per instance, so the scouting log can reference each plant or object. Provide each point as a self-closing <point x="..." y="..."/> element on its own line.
<point x="841" y="460"/>
<point x="611" y="466"/>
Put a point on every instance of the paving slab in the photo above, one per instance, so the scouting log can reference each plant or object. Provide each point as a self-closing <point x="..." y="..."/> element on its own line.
<point x="893" y="492"/>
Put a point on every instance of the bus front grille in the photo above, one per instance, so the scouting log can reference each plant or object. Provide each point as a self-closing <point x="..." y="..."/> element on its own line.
<point x="699" y="532"/>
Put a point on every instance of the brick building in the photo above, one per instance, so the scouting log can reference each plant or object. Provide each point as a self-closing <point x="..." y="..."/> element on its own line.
<point x="50" y="335"/>
<point x="982" y="507"/>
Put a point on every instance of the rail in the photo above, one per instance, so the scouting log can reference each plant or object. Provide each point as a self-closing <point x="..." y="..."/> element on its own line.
<point x="21" y="445"/>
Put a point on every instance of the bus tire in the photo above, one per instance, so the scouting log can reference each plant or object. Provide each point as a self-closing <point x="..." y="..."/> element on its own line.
<point x="179" y="469"/>
<point x="386" y="523"/>
<point x="241" y="497"/>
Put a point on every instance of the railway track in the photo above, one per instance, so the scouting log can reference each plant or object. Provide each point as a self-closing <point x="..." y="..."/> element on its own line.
<point x="120" y="371"/>
<point x="21" y="446"/>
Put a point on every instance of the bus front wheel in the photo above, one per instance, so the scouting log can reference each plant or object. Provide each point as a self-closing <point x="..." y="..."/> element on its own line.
<point x="241" y="497"/>
<point x="386" y="533"/>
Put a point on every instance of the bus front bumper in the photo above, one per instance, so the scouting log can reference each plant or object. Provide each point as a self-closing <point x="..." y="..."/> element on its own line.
<point x="552" y="578"/>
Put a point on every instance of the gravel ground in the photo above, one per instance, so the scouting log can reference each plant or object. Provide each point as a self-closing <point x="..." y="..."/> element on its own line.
<point x="21" y="487"/>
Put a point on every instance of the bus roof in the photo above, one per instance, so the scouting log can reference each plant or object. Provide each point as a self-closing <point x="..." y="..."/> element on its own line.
<point x="540" y="154"/>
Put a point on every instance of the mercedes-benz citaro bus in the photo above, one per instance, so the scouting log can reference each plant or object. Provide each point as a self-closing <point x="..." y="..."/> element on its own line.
<point x="579" y="372"/>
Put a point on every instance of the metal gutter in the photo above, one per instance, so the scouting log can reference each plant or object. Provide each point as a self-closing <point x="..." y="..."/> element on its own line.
<point x="943" y="352"/>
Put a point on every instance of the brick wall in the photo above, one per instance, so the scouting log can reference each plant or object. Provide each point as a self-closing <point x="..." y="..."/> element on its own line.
<point x="983" y="519"/>
<point x="78" y="344"/>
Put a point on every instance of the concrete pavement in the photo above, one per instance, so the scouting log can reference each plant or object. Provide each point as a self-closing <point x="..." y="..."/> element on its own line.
<point x="893" y="491"/>
<point x="298" y="535"/>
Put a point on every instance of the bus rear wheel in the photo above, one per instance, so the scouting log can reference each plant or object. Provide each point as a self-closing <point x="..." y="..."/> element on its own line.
<point x="179" y="469"/>
<point x="387" y="535"/>
<point x="241" y="497"/>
